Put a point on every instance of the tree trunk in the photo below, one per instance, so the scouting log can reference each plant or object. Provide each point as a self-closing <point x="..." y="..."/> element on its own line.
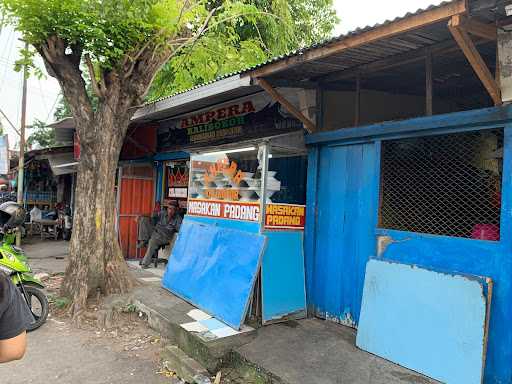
<point x="96" y="263"/>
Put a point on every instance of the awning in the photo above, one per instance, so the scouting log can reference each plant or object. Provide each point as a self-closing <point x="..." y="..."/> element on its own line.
<point x="62" y="164"/>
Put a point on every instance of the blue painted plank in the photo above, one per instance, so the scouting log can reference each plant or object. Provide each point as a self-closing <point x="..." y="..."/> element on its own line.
<point x="427" y="321"/>
<point x="214" y="268"/>
<point x="159" y="182"/>
<point x="282" y="276"/>
<point x="331" y="213"/>
<point x="345" y="239"/>
<point x="473" y="118"/>
<point x="310" y="228"/>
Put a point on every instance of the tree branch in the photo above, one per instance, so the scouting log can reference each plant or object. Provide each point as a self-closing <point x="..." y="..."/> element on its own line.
<point x="97" y="88"/>
<point x="65" y="67"/>
<point x="151" y="59"/>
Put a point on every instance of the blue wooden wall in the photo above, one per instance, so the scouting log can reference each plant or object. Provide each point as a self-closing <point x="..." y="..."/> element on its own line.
<point x="449" y="254"/>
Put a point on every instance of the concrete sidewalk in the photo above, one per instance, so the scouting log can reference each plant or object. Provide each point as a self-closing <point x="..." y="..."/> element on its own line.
<point x="295" y="352"/>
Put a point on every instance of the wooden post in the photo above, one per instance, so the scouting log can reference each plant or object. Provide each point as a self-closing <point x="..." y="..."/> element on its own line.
<point x="357" y="114"/>
<point x="428" y="83"/>
<point x="475" y="59"/>
<point x="308" y="124"/>
<point x="21" y="162"/>
<point x="319" y="107"/>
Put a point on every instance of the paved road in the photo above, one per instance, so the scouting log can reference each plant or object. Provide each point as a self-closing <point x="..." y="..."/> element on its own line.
<point x="60" y="354"/>
<point x="47" y="256"/>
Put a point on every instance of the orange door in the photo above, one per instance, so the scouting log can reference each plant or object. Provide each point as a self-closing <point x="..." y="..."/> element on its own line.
<point x="136" y="199"/>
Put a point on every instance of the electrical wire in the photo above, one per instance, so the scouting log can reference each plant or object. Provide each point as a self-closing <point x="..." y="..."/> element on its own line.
<point x="52" y="109"/>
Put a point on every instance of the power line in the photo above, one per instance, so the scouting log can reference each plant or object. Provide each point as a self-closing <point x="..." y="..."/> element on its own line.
<point x="10" y="45"/>
<point x="42" y="94"/>
<point x="9" y="121"/>
<point x="51" y="110"/>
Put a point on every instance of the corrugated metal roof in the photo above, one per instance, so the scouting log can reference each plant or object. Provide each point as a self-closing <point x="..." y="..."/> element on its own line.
<point x="301" y="51"/>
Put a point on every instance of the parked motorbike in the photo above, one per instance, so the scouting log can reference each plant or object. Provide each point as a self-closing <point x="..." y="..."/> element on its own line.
<point x="13" y="262"/>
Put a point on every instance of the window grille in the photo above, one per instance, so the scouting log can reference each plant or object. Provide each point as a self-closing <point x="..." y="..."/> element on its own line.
<point x="445" y="184"/>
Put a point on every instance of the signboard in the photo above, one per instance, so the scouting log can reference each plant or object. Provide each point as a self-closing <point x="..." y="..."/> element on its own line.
<point x="177" y="180"/>
<point x="285" y="216"/>
<point x="248" y="118"/>
<point x="278" y="216"/>
<point x="224" y="209"/>
<point x="179" y="193"/>
<point x="4" y="155"/>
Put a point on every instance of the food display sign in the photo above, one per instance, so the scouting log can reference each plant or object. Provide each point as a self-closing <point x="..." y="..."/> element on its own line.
<point x="278" y="216"/>
<point x="285" y="216"/>
<point x="232" y="210"/>
<point x="248" y="118"/>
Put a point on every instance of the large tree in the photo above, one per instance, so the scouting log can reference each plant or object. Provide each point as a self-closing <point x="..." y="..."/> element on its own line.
<point x="122" y="44"/>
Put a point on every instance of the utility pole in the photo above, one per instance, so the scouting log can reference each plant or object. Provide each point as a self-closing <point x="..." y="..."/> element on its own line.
<point x="21" y="164"/>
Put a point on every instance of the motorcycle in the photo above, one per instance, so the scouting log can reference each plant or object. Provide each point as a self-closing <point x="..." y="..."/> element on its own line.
<point x="66" y="221"/>
<point x="13" y="262"/>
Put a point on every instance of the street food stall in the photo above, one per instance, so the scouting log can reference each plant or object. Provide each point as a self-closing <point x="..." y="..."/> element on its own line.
<point x="246" y="177"/>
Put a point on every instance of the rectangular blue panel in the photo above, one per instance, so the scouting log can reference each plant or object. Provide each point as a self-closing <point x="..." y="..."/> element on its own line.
<point x="214" y="268"/>
<point x="282" y="276"/>
<point x="430" y="322"/>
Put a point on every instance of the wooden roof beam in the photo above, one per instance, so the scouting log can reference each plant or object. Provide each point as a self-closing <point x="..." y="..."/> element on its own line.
<point x="461" y="36"/>
<point x="407" y="24"/>
<point x="294" y="111"/>
<point x="477" y="28"/>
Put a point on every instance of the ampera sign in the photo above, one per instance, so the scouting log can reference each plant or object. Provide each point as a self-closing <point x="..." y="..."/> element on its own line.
<point x="218" y="115"/>
<point x="248" y="118"/>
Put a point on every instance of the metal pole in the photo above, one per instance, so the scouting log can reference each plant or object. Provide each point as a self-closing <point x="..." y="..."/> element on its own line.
<point x="21" y="164"/>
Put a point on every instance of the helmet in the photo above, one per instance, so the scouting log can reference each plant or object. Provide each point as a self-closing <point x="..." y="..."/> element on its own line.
<point x="11" y="214"/>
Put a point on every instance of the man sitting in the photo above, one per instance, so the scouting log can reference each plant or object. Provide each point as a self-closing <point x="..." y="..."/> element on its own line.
<point x="169" y="222"/>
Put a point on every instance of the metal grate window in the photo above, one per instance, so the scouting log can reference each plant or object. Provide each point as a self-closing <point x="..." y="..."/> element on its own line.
<point x="444" y="185"/>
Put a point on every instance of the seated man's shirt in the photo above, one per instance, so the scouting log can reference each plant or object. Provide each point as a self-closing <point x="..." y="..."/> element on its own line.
<point x="15" y="316"/>
<point x="167" y="226"/>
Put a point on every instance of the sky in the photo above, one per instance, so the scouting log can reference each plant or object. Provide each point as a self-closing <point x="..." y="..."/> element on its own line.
<point x="43" y="94"/>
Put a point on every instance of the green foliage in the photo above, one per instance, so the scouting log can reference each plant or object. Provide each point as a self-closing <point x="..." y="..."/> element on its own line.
<point x="42" y="135"/>
<point x="59" y="302"/>
<point x="62" y="110"/>
<point x="274" y="28"/>
<point x="107" y="29"/>
<point x="129" y="308"/>
<point x="240" y="33"/>
<point x="27" y="60"/>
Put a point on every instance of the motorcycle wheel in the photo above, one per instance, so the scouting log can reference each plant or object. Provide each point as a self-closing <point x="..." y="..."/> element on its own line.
<point x="38" y="304"/>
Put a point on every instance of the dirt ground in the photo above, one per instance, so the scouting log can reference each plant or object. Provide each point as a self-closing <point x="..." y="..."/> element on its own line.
<point x="120" y="350"/>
